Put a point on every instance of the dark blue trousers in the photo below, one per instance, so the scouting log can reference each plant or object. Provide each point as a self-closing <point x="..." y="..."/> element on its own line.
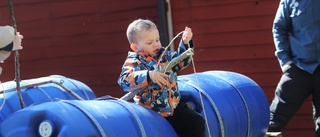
<point x="294" y="88"/>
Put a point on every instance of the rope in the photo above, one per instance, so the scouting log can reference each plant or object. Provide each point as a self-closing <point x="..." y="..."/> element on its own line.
<point x="82" y="89"/>
<point x="135" y="115"/>
<point x="92" y="118"/>
<point x="45" y="93"/>
<point x="166" y="48"/>
<point x="201" y="99"/>
<point x="14" y="25"/>
<point x="215" y="108"/>
<point x="245" y="104"/>
<point x="68" y="90"/>
<point x="4" y="97"/>
<point x="45" y="82"/>
<point x="17" y="65"/>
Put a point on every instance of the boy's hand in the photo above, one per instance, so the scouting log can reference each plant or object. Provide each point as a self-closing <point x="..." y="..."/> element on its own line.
<point x="158" y="77"/>
<point x="187" y="35"/>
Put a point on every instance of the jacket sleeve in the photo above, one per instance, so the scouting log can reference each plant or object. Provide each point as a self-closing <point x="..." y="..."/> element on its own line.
<point x="281" y="28"/>
<point x="182" y="48"/>
<point x="131" y="77"/>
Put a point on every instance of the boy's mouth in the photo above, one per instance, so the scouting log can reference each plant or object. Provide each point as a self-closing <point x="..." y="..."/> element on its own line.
<point x="156" y="51"/>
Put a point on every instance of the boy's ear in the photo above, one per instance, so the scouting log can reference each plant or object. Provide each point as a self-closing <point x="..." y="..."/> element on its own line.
<point x="134" y="47"/>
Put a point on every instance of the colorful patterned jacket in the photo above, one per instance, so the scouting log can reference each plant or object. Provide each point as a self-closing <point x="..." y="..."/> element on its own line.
<point x="134" y="76"/>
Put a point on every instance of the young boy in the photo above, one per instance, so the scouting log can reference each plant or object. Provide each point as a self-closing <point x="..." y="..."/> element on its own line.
<point x="8" y="42"/>
<point x="159" y="90"/>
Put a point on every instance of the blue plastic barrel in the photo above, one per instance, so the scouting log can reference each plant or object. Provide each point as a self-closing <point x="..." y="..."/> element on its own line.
<point x="41" y="90"/>
<point x="235" y="106"/>
<point x="88" y="118"/>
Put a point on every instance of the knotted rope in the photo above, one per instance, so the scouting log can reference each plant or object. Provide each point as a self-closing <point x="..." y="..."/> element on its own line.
<point x="16" y="56"/>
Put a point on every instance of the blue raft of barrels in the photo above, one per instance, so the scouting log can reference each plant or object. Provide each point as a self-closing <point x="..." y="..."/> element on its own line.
<point x="232" y="104"/>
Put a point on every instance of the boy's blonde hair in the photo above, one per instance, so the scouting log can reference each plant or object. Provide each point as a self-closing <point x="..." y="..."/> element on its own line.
<point x="136" y="26"/>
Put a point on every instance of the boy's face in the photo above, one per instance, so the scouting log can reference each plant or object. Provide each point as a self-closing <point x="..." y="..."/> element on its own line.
<point x="149" y="41"/>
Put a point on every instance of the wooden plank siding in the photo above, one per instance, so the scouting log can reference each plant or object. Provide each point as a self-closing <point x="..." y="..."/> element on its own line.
<point x="85" y="40"/>
<point x="80" y="39"/>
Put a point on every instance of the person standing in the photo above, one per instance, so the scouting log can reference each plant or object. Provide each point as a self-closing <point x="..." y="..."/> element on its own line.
<point x="296" y="34"/>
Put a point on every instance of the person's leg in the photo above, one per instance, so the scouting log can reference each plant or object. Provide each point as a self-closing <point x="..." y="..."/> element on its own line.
<point x="186" y="122"/>
<point x="316" y="101"/>
<point x="316" y="112"/>
<point x="294" y="88"/>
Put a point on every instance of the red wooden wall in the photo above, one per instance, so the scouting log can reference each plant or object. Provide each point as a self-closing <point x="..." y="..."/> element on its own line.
<point x="86" y="40"/>
<point x="80" y="39"/>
